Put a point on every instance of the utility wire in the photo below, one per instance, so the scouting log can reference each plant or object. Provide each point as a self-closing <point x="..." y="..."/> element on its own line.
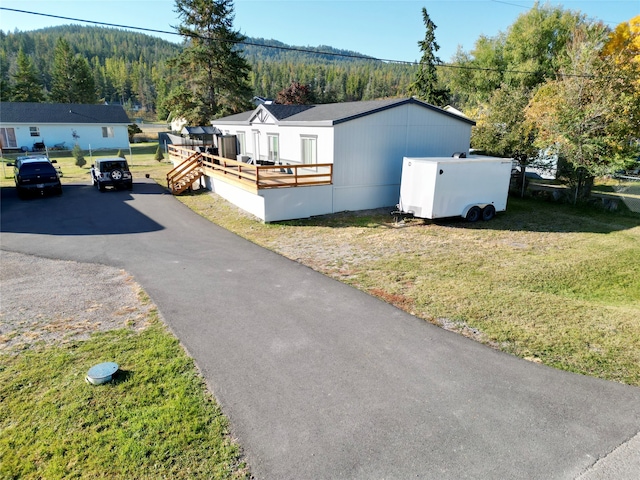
<point x="294" y="49"/>
<point x="288" y="48"/>
<point x="529" y="8"/>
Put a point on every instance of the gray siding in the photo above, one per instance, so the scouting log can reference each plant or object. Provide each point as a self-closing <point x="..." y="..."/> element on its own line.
<point x="369" y="151"/>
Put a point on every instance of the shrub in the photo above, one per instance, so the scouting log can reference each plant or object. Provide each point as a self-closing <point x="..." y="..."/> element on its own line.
<point x="78" y="154"/>
<point x="159" y="156"/>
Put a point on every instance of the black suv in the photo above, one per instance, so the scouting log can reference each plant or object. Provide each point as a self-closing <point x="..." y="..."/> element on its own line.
<point x="112" y="172"/>
<point x="36" y="175"/>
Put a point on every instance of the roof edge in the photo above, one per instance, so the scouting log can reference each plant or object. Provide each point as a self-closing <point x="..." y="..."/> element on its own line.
<point x="405" y="101"/>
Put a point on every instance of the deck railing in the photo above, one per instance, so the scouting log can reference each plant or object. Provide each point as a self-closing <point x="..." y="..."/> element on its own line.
<point x="256" y="177"/>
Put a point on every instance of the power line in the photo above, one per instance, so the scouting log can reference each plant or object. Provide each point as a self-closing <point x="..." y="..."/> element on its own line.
<point x="288" y="48"/>
<point x="529" y="8"/>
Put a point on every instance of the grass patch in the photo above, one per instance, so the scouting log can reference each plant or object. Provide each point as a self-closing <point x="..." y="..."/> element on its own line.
<point x="155" y="420"/>
<point x="141" y="161"/>
<point x="552" y="283"/>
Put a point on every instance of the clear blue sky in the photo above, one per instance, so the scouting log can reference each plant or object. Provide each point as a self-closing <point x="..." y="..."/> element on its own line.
<point x="383" y="29"/>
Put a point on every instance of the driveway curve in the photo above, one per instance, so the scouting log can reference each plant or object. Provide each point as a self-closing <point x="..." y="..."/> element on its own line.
<point x="318" y="379"/>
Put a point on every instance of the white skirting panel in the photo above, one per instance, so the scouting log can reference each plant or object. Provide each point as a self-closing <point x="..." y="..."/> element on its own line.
<point x="365" y="197"/>
<point x="273" y="205"/>
<point x="297" y="202"/>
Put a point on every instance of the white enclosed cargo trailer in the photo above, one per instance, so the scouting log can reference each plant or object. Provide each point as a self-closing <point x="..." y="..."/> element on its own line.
<point x="437" y="187"/>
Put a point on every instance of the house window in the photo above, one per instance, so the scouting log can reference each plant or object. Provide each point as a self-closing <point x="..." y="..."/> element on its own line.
<point x="242" y="143"/>
<point x="107" y="132"/>
<point x="274" y="149"/>
<point x="8" y="138"/>
<point x="309" y="153"/>
<point x="34" y="131"/>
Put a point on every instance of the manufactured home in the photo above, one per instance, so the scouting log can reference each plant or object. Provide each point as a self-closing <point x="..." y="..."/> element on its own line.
<point x="28" y="126"/>
<point x="349" y="155"/>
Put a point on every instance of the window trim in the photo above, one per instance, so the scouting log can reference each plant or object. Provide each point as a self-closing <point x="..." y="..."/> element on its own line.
<point x="108" y="132"/>
<point x="242" y="142"/>
<point x="275" y="136"/>
<point x="314" y="139"/>
<point x="8" y="140"/>
<point x="256" y="144"/>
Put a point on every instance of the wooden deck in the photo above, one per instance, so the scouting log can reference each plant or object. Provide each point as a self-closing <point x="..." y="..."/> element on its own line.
<point x="255" y="177"/>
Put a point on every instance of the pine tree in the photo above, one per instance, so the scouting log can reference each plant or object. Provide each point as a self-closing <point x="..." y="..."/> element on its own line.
<point x="83" y="84"/>
<point x="425" y="86"/>
<point x="215" y="75"/>
<point x="159" y="156"/>
<point x="72" y="80"/>
<point x="62" y="74"/>
<point x="27" y="86"/>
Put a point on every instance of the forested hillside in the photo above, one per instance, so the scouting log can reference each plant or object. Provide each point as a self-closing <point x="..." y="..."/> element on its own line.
<point x="131" y="68"/>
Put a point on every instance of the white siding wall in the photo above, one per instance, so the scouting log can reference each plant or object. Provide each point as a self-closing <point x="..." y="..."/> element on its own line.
<point x="289" y="141"/>
<point x="369" y="152"/>
<point x="88" y="135"/>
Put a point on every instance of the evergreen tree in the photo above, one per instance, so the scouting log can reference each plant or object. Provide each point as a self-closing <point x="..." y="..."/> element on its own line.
<point x="425" y="85"/>
<point x="84" y="86"/>
<point x="72" y="79"/>
<point x="62" y="74"/>
<point x="159" y="156"/>
<point x="27" y="86"/>
<point x="214" y="73"/>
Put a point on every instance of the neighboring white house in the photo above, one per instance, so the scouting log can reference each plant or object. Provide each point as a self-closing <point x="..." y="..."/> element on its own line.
<point x="177" y="124"/>
<point x="28" y="125"/>
<point x="365" y="142"/>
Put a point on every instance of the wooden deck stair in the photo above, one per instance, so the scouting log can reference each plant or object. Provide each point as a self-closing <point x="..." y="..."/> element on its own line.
<point x="182" y="177"/>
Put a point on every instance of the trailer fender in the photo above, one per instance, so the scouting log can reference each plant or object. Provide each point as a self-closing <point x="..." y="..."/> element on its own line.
<point x="470" y="206"/>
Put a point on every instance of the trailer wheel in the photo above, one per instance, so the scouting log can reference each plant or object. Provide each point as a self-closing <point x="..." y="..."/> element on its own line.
<point x="488" y="212"/>
<point x="473" y="215"/>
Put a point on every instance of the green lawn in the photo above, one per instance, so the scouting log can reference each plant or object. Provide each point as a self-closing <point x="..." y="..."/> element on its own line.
<point x="154" y="420"/>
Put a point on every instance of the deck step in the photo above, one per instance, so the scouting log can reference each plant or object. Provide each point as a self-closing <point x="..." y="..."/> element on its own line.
<point x="185" y="175"/>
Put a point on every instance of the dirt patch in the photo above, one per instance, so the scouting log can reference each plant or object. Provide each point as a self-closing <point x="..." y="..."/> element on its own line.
<point x="400" y="301"/>
<point x="47" y="301"/>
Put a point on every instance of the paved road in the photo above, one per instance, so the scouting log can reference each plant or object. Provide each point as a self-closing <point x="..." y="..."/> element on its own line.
<point x="318" y="379"/>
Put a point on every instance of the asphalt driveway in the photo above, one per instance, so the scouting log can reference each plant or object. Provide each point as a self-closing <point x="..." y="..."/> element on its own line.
<point x="318" y="379"/>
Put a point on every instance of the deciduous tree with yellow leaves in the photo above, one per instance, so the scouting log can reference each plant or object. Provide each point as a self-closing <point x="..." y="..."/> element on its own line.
<point x="589" y="114"/>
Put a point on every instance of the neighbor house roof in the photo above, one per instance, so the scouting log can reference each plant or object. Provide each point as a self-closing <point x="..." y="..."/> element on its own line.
<point x="42" y="113"/>
<point x="330" y="113"/>
<point x="206" y="130"/>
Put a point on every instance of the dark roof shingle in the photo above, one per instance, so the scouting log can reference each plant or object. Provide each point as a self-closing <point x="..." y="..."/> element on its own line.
<point x="333" y="113"/>
<point x="26" y="112"/>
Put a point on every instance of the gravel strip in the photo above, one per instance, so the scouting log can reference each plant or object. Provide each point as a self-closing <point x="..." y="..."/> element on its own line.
<point x="45" y="301"/>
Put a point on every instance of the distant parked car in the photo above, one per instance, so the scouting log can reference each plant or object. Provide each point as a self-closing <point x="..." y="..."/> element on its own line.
<point x="111" y="172"/>
<point x="36" y="175"/>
